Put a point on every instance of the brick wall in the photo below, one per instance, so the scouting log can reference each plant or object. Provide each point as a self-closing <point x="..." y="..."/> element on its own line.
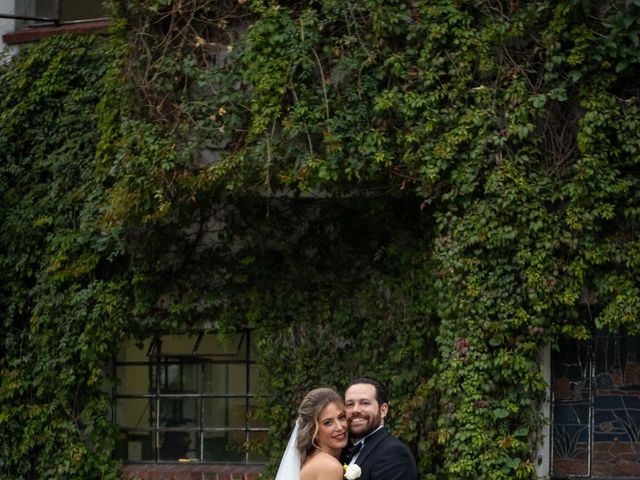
<point x="191" y="472"/>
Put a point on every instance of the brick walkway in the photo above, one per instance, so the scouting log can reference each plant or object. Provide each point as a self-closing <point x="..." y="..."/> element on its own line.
<point x="191" y="472"/>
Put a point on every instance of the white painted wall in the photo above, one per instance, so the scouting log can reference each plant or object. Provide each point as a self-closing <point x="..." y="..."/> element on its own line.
<point x="7" y="25"/>
<point x="543" y="460"/>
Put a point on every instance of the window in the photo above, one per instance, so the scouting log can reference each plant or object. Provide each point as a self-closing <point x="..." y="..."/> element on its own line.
<point x="596" y="408"/>
<point x="63" y="10"/>
<point x="188" y="398"/>
<point x="23" y="21"/>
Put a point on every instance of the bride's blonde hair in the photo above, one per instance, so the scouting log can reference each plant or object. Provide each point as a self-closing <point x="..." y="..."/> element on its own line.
<point x="308" y="425"/>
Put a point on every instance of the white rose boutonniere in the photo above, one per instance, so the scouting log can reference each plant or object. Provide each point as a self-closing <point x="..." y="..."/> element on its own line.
<point x="352" y="472"/>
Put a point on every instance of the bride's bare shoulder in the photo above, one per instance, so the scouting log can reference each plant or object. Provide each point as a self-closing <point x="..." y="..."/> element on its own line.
<point x="322" y="466"/>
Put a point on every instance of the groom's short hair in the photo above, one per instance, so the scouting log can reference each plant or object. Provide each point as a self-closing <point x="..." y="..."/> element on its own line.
<point x="381" y="392"/>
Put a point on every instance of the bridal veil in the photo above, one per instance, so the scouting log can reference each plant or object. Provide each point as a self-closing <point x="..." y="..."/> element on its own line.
<point x="289" y="468"/>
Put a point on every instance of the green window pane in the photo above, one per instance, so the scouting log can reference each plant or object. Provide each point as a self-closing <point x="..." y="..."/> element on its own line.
<point x="135" y="413"/>
<point x="257" y="378"/>
<point x="225" y="379"/>
<point x="71" y="9"/>
<point x="179" y="377"/>
<point x="224" y="413"/>
<point x="136" y="446"/>
<point x="179" y="412"/>
<point x="178" y="344"/>
<point x="178" y="445"/>
<point x="81" y="9"/>
<point x="134" y="380"/>
<point x="223" y="346"/>
<point x="224" y="447"/>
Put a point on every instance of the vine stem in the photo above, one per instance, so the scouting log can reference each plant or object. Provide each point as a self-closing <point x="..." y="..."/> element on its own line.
<point x="324" y="82"/>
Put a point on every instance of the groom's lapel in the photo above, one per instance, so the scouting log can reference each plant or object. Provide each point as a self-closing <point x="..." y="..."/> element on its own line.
<point x="370" y="444"/>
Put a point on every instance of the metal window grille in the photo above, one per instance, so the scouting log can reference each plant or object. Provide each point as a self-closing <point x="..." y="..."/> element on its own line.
<point x="188" y="399"/>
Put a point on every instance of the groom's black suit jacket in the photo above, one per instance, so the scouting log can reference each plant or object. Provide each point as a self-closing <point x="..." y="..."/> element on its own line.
<point x="384" y="457"/>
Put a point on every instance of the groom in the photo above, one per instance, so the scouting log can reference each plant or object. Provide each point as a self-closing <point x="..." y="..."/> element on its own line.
<point x="379" y="455"/>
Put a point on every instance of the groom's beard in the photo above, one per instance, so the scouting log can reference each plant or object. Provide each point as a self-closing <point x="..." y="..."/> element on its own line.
<point x="361" y="431"/>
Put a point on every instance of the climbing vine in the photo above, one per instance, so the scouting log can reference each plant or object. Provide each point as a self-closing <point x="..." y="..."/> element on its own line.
<point x="61" y="275"/>
<point x="425" y="191"/>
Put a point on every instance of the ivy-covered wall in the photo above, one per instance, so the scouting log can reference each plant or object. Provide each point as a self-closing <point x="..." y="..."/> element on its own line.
<point x="424" y="191"/>
<point x="62" y="283"/>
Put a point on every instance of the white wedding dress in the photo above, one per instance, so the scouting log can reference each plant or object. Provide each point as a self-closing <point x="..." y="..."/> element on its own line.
<point x="289" y="468"/>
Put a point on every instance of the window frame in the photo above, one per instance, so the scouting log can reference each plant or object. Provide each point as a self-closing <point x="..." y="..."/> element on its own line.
<point x="41" y="27"/>
<point x="157" y="363"/>
<point x="603" y="377"/>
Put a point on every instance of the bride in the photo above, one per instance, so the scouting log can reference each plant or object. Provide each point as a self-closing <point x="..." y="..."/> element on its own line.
<point x="317" y="439"/>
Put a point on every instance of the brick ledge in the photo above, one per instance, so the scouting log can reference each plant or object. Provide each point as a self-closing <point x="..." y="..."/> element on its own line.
<point x="191" y="472"/>
<point x="33" y="34"/>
